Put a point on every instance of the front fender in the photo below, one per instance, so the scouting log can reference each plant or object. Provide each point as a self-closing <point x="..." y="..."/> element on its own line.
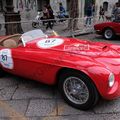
<point x="99" y="76"/>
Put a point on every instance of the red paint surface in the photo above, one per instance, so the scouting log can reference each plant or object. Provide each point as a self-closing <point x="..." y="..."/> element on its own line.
<point x="97" y="60"/>
<point x="115" y="26"/>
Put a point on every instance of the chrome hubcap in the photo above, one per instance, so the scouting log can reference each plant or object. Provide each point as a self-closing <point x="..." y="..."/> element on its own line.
<point x="76" y="90"/>
<point x="108" y="33"/>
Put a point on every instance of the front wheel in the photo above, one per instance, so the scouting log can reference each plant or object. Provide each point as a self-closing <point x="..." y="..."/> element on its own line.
<point x="108" y="34"/>
<point x="78" y="90"/>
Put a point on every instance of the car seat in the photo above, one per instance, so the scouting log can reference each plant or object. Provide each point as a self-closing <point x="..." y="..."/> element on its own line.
<point x="10" y="43"/>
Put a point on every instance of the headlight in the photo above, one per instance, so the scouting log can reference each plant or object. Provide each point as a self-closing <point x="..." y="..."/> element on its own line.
<point x="111" y="79"/>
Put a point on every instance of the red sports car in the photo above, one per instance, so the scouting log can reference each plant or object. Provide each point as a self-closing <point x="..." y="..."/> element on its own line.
<point x="82" y="69"/>
<point x="108" y="29"/>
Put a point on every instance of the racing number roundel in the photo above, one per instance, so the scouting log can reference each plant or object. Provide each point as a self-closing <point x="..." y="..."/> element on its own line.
<point x="6" y="58"/>
<point x="50" y="42"/>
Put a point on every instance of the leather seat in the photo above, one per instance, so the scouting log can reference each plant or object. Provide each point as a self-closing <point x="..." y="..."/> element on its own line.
<point x="9" y="43"/>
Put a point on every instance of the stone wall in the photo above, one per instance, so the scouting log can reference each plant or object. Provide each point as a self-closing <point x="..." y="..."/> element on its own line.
<point x="28" y="9"/>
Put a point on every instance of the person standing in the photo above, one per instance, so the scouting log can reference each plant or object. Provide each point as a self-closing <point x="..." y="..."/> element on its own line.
<point x="101" y="13"/>
<point x="45" y="14"/>
<point x="89" y="14"/>
<point x="93" y="10"/>
<point x="116" y="12"/>
<point x="50" y="17"/>
<point x="51" y="13"/>
<point x="62" y="11"/>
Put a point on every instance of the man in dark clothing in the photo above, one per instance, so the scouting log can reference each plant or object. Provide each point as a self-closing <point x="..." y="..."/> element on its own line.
<point x="89" y="11"/>
<point x="116" y="12"/>
<point x="62" y="11"/>
<point x="50" y="17"/>
<point x="101" y="13"/>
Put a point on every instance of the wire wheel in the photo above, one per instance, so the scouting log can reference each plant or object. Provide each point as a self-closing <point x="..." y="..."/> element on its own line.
<point x="76" y="90"/>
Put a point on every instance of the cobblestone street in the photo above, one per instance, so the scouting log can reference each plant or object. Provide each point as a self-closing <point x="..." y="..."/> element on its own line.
<point x="24" y="99"/>
<point x="94" y="68"/>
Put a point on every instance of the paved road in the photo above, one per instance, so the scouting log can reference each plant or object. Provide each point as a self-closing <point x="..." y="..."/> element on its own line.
<point x="23" y="99"/>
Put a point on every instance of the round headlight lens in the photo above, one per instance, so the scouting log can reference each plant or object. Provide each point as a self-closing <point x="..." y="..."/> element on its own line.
<point x="111" y="79"/>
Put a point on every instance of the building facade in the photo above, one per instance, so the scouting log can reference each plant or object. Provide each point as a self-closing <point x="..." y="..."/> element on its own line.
<point x="30" y="7"/>
<point x="107" y="5"/>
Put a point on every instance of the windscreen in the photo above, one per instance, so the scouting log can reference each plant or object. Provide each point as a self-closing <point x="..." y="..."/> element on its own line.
<point x="32" y="35"/>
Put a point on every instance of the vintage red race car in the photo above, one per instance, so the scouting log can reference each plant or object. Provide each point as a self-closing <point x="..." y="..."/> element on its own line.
<point x="83" y="70"/>
<point x="108" y="29"/>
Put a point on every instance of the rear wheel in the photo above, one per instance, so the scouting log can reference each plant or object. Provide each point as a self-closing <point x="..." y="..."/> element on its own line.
<point x="108" y="34"/>
<point x="78" y="90"/>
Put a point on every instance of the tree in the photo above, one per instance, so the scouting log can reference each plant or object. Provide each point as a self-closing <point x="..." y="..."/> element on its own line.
<point x="74" y="13"/>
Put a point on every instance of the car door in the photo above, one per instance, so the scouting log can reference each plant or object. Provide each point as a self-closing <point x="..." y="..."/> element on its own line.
<point x="24" y="62"/>
<point x="16" y="61"/>
<point x="29" y="62"/>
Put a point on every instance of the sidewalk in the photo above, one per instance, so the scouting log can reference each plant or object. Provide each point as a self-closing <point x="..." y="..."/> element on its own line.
<point x="59" y="27"/>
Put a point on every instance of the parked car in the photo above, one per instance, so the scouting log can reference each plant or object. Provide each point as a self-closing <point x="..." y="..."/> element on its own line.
<point x="108" y="29"/>
<point x="83" y="70"/>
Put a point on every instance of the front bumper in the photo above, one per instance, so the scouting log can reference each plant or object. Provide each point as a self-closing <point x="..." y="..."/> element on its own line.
<point x="113" y="92"/>
<point x="100" y="77"/>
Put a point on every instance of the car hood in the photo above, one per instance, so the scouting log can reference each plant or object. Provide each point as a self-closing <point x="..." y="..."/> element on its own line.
<point x="111" y="63"/>
<point x="110" y="58"/>
<point x="76" y="46"/>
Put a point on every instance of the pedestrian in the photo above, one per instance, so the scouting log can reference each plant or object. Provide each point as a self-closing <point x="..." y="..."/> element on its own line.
<point x="51" y="13"/>
<point x="45" y="14"/>
<point x="62" y="11"/>
<point x="93" y="10"/>
<point x="89" y="14"/>
<point x="50" y="17"/>
<point x="101" y="13"/>
<point x="116" y="12"/>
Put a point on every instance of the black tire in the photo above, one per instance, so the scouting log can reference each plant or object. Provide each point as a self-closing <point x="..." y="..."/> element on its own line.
<point x="108" y="34"/>
<point x="87" y="84"/>
<point x="34" y="24"/>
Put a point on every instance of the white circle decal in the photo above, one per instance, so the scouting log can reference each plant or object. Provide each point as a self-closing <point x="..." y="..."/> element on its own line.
<point x="6" y="59"/>
<point x="50" y="42"/>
